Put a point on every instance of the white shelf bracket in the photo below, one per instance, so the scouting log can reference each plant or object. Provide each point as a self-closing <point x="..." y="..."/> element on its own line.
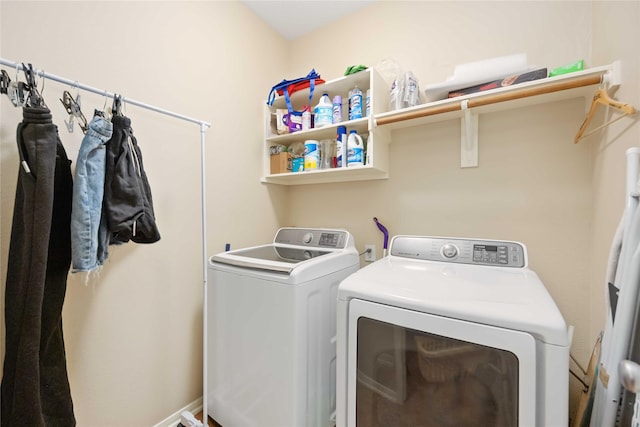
<point x="613" y="77"/>
<point x="469" y="138"/>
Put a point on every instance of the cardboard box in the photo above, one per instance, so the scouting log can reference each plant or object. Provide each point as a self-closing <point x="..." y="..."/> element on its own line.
<point x="281" y="163"/>
<point x="507" y="81"/>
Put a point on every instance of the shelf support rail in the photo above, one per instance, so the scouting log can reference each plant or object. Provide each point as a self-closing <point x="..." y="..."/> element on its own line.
<point x="203" y="128"/>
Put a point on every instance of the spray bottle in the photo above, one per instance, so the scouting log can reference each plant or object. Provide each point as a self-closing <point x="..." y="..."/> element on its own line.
<point x="355" y="103"/>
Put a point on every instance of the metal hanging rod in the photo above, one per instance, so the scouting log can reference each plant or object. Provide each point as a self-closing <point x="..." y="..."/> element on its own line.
<point x="203" y="192"/>
<point x="73" y="83"/>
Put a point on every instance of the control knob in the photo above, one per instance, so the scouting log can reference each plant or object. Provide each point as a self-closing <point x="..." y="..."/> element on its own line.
<point x="449" y="250"/>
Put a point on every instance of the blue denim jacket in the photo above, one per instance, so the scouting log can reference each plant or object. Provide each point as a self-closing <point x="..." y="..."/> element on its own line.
<point x="88" y="191"/>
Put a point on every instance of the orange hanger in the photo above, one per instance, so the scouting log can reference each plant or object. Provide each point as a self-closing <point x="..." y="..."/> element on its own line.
<point x="602" y="97"/>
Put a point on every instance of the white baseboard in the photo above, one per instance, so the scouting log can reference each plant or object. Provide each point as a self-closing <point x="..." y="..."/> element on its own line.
<point x="174" y="419"/>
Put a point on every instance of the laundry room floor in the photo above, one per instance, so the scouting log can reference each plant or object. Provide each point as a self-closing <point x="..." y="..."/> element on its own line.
<point x="211" y="422"/>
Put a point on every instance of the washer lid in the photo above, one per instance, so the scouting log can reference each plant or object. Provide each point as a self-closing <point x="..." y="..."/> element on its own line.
<point x="292" y="247"/>
<point x="275" y="258"/>
<point x="512" y="298"/>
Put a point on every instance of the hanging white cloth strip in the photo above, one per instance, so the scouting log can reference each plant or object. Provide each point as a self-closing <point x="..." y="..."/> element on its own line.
<point x="203" y="127"/>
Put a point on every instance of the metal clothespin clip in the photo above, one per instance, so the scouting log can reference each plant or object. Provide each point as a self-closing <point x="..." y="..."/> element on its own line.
<point x="4" y="82"/>
<point x="34" y="99"/>
<point x="73" y="109"/>
<point x="16" y="91"/>
<point x="116" y="107"/>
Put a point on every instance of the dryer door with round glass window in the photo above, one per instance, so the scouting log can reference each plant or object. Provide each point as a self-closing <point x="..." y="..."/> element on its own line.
<point x="407" y="368"/>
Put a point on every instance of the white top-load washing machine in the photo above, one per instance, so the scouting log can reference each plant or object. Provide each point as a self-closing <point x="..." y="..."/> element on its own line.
<point x="272" y="329"/>
<point x="450" y="332"/>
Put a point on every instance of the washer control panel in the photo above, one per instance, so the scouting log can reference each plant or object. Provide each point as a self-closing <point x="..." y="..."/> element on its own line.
<point x="320" y="238"/>
<point x="462" y="251"/>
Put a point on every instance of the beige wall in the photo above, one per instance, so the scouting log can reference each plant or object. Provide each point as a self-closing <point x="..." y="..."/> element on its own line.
<point x="532" y="184"/>
<point x="133" y="334"/>
<point x="615" y="36"/>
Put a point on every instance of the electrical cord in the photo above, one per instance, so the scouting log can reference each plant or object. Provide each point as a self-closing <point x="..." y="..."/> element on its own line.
<point x="366" y="251"/>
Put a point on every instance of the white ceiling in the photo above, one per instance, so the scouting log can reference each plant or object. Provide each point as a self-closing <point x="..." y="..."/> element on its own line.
<point x="295" y="18"/>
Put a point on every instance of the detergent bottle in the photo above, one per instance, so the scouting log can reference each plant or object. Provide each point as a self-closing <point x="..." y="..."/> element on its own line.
<point x="354" y="149"/>
<point x="323" y="112"/>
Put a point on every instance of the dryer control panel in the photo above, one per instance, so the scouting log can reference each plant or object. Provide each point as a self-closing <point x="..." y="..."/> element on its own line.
<point x="463" y="251"/>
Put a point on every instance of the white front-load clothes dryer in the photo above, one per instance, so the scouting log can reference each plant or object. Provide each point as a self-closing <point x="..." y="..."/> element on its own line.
<point x="450" y="332"/>
<point x="271" y="325"/>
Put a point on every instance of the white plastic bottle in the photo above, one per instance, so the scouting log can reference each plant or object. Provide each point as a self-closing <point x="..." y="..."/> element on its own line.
<point x="411" y="91"/>
<point x="354" y="149"/>
<point x="306" y="120"/>
<point x="323" y="112"/>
